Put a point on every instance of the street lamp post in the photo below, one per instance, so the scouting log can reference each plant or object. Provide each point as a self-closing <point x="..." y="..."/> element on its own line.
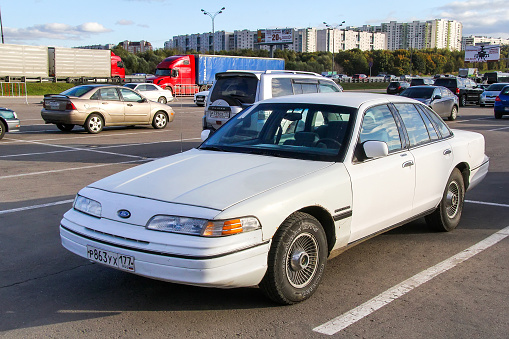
<point x="213" y="16"/>
<point x="329" y="27"/>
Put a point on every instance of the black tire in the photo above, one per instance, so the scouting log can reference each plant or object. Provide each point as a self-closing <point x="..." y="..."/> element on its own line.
<point x="296" y="260"/>
<point x="482" y="105"/>
<point x="162" y="100"/>
<point x="454" y="113"/>
<point x="463" y="100"/>
<point x="160" y="120"/>
<point x="94" y="123"/>
<point x="448" y="213"/>
<point x="65" y="127"/>
<point x="3" y="129"/>
<point x="498" y="115"/>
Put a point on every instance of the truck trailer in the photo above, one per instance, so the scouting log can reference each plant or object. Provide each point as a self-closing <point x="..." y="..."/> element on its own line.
<point x="189" y="74"/>
<point x="20" y="61"/>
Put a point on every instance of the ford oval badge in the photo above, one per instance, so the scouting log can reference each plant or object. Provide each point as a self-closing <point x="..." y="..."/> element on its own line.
<point x="124" y="214"/>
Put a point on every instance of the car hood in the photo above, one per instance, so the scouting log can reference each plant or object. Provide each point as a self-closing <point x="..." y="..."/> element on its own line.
<point x="209" y="179"/>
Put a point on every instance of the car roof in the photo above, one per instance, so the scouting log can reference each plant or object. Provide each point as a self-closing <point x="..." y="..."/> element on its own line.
<point x="278" y="73"/>
<point x="340" y="99"/>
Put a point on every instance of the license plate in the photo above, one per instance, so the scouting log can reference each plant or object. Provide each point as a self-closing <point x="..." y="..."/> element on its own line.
<point x="124" y="262"/>
<point x="220" y="115"/>
<point x="54" y="105"/>
<point x="506" y="108"/>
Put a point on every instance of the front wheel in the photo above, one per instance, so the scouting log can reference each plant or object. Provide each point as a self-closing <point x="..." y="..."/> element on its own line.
<point x="94" y="123"/>
<point x="3" y="128"/>
<point x="296" y="260"/>
<point x="160" y="120"/>
<point x="454" y="113"/>
<point x="448" y="213"/>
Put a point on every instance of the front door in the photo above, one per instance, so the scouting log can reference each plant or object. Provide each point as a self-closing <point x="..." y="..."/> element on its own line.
<point x="136" y="108"/>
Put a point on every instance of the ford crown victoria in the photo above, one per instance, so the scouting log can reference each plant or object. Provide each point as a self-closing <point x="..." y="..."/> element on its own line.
<point x="282" y="186"/>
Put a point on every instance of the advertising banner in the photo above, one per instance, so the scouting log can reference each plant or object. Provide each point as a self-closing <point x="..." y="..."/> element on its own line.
<point x="275" y="36"/>
<point x="482" y="53"/>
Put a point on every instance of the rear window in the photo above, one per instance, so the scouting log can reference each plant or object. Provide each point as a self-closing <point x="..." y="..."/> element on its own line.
<point x="239" y="88"/>
<point x="446" y="82"/>
<point x="77" y="91"/>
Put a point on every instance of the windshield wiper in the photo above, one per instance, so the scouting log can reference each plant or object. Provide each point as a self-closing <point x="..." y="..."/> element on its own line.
<point x="213" y="148"/>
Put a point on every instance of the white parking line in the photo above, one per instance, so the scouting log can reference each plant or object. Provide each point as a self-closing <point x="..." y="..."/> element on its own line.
<point x="21" y="209"/>
<point x="70" y="137"/>
<point x="497" y="129"/>
<point x="74" y="149"/>
<point x="337" y="324"/>
<point x="72" y="169"/>
<point x="486" y="203"/>
<point x="459" y="121"/>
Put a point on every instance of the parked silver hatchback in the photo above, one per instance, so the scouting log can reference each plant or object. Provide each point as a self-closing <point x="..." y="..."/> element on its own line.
<point x="96" y="106"/>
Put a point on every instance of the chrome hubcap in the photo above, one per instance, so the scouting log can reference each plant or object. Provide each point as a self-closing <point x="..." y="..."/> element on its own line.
<point x="160" y="120"/>
<point x="452" y="199"/>
<point x="302" y="260"/>
<point x="95" y="124"/>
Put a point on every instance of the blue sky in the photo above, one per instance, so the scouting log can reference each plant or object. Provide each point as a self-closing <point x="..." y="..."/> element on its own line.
<point x="77" y="23"/>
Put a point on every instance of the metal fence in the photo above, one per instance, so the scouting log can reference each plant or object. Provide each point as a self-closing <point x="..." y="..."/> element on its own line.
<point x="14" y="89"/>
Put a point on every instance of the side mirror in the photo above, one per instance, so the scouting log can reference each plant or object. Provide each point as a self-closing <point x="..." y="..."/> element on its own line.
<point x="436" y="97"/>
<point x="375" y="149"/>
<point x="205" y="134"/>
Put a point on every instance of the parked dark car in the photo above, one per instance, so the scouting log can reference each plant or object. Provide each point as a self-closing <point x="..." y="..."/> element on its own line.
<point x="421" y="81"/>
<point x="9" y="121"/>
<point x="502" y="103"/>
<point x="465" y="89"/>
<point x="438" y="98"/>
<point x="396" y="87"/>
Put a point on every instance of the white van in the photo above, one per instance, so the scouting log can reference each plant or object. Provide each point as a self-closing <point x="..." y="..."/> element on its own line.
<point x="235" y="90"/>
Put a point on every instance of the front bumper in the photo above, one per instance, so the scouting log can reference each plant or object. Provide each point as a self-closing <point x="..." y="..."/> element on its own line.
<point x="13" y="125"/>
<point x="243" y="267"/>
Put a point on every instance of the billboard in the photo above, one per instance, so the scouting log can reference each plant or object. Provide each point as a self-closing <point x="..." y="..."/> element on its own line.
<point x="482" y="53"/>
<point x="275" y="36"/>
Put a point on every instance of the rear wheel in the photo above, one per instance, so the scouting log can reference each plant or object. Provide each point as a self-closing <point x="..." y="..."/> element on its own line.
<point x="463" y="100"/>
<point x="454" y="113"/>
<point x="296" y="260"/>
<point x="65" y="127"/>
<point x="160" y="120"/>
<point x="3" y="128"/>
<point x="94" y="123"/>
<point x="162" y="100"/>
<point x="447" y="215"/>
<point x="498" y="115"/>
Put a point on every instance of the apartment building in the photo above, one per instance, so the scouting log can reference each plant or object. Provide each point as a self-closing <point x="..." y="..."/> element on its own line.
<point x="136" y="46"/>
<point x="482" y="40"/>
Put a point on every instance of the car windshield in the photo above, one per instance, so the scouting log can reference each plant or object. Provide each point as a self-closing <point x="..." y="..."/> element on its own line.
<point x="163" y="72"/>
<point x="496" y="87"/>
<point x="446" y="82"/>
<point x="235" y="89"/>
<point x="300" y="131"/>
<point x="77" y="91"/>
<point x="418" y="92"/>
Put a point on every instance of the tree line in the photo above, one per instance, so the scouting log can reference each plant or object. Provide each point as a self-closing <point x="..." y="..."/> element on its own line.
<point x="399" y="62"/>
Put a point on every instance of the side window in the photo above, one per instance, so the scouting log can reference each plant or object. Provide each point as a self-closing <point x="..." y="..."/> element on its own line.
<point x="109" y="94"/>
<point x="130" y="96"/>
<point x="301" y="87"/>
<point x="326" y="87"/>
<point x="438" y="122"/>
<point x="431" y="129"/>
<point x="415" y="127"/>
<point x="141" y="88"/>
<point x="445" y="92"/>
<point x="281" y="86"/>
<point x="150" y="88"/>
<point x="379" y="125"/>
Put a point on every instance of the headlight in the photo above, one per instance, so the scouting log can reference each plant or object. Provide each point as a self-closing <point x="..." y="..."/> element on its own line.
<point x="87" y="206"/>
<point x="202" y="227"/>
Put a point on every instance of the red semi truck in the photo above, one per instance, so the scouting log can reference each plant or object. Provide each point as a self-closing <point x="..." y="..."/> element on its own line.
<point x="189" y="74"/>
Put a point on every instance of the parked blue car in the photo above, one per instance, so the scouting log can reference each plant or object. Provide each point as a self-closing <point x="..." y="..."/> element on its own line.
<point x="502" y="103"/>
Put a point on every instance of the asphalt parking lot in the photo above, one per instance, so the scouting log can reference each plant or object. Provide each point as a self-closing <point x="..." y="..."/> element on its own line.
<point x="407" y="283"/>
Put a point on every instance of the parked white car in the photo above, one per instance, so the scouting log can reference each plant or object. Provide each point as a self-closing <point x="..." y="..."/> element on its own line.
<point x="289" y="182"/>
<point x="200" y="98"/>
<point x="151" y="92"/>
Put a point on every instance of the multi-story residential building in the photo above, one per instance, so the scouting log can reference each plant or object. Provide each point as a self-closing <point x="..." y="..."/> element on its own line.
<point x="482" y="40"/>
<point x="335" y="40"/>
<point x="137" y="46"/>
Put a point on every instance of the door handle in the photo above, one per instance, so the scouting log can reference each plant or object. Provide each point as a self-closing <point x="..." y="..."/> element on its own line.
<point x="104" y="103"/>
<point x="447" y="152"/>
<point x="407" y="163"/>
<point x="129" y="104"/>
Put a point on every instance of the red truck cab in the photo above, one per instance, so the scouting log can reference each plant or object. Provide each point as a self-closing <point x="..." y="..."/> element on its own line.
<point x="177" y="73"/>
<point x="117" y="67"/>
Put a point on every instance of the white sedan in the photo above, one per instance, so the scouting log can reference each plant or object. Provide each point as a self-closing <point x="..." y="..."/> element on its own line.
<point x="151" y="92"/>
<point x="289" y="182"/>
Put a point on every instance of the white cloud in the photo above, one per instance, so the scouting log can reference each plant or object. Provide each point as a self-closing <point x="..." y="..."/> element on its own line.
<point x="55" y="31"/>
<point x="124" y="22"/>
